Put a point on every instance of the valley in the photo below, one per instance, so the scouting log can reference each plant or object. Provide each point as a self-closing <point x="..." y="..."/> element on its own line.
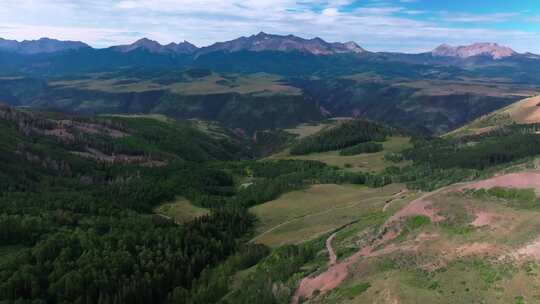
<point x="268" y="169"/>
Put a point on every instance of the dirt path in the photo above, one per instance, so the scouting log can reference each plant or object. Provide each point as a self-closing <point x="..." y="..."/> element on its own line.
<point x="522" y="180"/>
<point x="394" y="197"/>
<point x="338" y="272"/>
<point x="331" y="253"/>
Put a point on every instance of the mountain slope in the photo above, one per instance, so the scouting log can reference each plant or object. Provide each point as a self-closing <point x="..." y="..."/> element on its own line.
<point x="526" y="111"/>
<point x="89" y="218"/>
<point x="121" y="139"/>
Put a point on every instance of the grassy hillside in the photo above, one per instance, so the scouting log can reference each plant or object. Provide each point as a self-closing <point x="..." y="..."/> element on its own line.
<point x="191" y="82"/>
<point x="342" y="135"/>
<point x="472" y="238"/>
<point x="525" y="111"/>
<point x="367" y="162"/>
<point x="463" y="247"/>
<point x="304" y="215"/>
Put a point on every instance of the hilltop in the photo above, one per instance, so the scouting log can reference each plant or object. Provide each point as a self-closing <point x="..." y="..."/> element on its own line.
<point x="526" y="111"/>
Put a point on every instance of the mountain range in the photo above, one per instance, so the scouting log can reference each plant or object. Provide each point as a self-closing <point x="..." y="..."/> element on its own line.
<point x="275" y="54"/>
<point x="43" y="45"/>
<point x="256" y="43"/>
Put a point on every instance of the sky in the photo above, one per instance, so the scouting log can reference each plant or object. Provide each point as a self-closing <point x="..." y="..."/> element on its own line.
<point x="377" y="25"/>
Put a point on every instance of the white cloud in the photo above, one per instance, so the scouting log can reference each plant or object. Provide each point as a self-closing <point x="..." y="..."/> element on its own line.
<point x="477" y="18"/>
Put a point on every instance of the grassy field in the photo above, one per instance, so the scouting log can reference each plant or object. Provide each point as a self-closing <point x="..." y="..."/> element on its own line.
<point x="257" y="84"/>
<point x="305" y="214"/>
<point x="308" y="129"/>
<point x="372" y="162"/>
<point x="180" y="210"/>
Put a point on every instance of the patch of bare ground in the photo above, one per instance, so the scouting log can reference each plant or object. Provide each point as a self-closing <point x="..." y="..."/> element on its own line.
<point x="476" y="249"/>
<point x="62" y="134"/>
<point x="483" y="218"/>
<point x="418" y="207"/>
<point x="119" y="158"/>
<point x="529" y="251"/>
<point x="338" y="272"/>
<point x="67" y="130"/>
<point x="422" y="237"/>
<point x="331" y="253"/>
<point x="389" y="298"/>
<point x="91" y="128"/>
<point x="63" y="129"/>
<point x="521" y="180"/>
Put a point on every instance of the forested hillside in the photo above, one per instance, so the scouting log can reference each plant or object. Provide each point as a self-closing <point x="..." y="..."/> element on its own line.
<point x="78" y="225"/>
<point x="343" y="135"/>
<point x="77" y="196"/>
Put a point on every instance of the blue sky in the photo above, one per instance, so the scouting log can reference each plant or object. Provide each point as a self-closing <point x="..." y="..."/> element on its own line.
<point x="377" y="25"/>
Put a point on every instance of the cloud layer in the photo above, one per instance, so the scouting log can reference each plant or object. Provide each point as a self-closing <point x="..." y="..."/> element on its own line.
<point x="389" y="25"/>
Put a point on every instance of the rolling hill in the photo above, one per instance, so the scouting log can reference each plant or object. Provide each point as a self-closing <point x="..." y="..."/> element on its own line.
<point x="526" y="111"/>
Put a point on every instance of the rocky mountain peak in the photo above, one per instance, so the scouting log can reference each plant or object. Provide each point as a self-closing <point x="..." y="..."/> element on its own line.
<point x="493" y="50"/>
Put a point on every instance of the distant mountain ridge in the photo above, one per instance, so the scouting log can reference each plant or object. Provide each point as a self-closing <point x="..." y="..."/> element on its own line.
<point x="256" y="43"/>
<point x="267" y="53"/>
<point x="261" y="42"/>
<point x="268" y="42"/>
<point x="493" y="50"/>
<point x="40" y="46"/>
<point x="155" y="47"/>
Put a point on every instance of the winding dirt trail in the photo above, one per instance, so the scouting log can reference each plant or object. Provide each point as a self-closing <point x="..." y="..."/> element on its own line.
<point x="338" y="272"/>
<point x="394" y="197"/>
<point x="331" y="253"/>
